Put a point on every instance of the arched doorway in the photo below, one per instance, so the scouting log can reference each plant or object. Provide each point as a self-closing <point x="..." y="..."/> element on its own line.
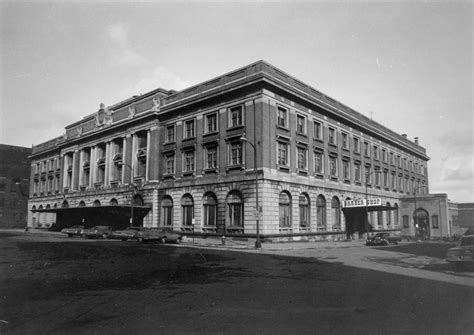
<point x="421" y="220"/>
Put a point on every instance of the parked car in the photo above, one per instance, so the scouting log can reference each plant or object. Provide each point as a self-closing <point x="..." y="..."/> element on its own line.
<point x="97" y="232"/>
<point x="162" y="235"/>
<point x="131" y="233"/>
<point x="463" y="253"/>
<point x="383" y="239"/>
<point x="73" y="231"/>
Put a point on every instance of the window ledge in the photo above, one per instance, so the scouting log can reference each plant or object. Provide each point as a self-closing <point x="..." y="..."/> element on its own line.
<point x="303" y="172"/>
<point x="210" y="170"/>
<point x="284" y="168"/>
<point x="319" y="175"/>
<point x="188" y="173"/>
<point x="210" y="133"/>
<point x="283" y="128"/>
<point x="235" y="167"/>
<point x="235" y="127"/>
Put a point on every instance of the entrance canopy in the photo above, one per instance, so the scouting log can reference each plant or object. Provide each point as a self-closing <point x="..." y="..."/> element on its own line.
<point x="125" y="210"/>
<point x="117" y="216"/>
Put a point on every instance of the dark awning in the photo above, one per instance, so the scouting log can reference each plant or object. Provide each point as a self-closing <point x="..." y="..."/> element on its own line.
<point x="377" y="208"/>
<point x="112" y="209"/>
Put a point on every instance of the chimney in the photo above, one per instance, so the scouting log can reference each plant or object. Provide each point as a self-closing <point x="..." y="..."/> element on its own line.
<point x="416" y="140"/>
<point x="404" y="135"/>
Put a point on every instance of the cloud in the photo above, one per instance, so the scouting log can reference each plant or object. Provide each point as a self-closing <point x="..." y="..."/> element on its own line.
<point x="160" y="77"/>
<point x="122" y="53"/>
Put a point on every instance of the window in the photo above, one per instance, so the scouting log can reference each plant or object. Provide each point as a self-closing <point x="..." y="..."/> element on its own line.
<point x="236" y="116"/>
<point x="395" y="216"/>
<point x="405" y="221"/>
<point x="189" y="131"/>
<point x="379" y="218"/>
<point x="399" y="161"/>
<point x="366" y="149"/>
<point x="302" y="158"/>
<point x="357" y="172"/>
<point x="285" y="210"/>
<point x="304" y="206"/>
<point x="235" y="154"/>
<point x="336" y="213"/>
<point x="356" y="145"/>
<point x="376" y="152"/>
<point x="188" y="161"/>
<point x="345" y="141"/>
<point x="392" y="158"/>
<point x="187" y="210"/>
<point x="235" y="210"/>
<point x="282" y="154"/>
<point x="318" y="162"/>
<point x="211" y="123"/>
<point x="210" y="157"/>
<point x="318" y="134"/>
<point x="385" y="179"/>
<point x="332" y="136"/>
<point x="209" y="204"/>
<point x="282" y="117"/>
<point x="321" y="212"/>
<point x="300" y="124"/>
<point x="377" y="177"/>
<point x="167" y="205"/>
<point x="333" y="166"/>
<point x="169" y="163"/>
<point x="384" y="155"/>
<point x="169" y="134"/>
<point x="346" y="172"/>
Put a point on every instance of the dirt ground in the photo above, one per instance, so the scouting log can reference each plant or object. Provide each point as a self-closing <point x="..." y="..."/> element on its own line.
<point x="105" y="287"/>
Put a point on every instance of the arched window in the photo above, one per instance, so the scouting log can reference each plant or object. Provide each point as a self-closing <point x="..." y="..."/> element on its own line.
<point x="167" y="205"/>
<point x="96" y="203"/>
<point x="235" y="210"/>
<point x="209" y="204"/>
<point x="82" y="204"/>
<point x="113" y="202"/>
<point x="379" y="218"/>
<point x="434" y="221"/>
<point x="389" y="215"/>
<point x="65" y="204"/>
<point x="285" y="210"/>
<point x="137" y="200"/>
<point x="321" y="212"/>
<point x="187" y="210"/>
<point x="336" y="213"/>
<point x="395" y="216"/>
<point x="304" y="204"/>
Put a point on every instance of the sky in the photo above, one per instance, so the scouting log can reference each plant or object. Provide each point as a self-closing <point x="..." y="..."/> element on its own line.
<point x="406" y="64"/>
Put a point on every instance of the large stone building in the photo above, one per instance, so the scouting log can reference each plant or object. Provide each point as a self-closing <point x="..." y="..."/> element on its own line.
<point x="187" y="160"/>
<point x="14" y="183"/>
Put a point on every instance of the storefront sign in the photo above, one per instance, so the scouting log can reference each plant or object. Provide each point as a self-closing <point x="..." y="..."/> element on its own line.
<point x="361" y="203"/>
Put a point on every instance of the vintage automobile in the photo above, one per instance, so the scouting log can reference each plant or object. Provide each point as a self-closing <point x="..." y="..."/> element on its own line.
<point x="97" y="232"/>
<point x="162" y="235"/>
<point x="463" y="253"/>
<point x="383" y="239"/>
<point x="131" y="233"/>
<point x="73" y="231"/>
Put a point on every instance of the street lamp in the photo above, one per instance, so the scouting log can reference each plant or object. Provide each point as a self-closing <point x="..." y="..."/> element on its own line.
<point x="258" y="244"/>
<point x="131" y="200"/>
<point x="367" y="175"/>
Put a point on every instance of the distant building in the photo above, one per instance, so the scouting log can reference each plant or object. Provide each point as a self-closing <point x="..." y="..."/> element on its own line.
<point x="14" y="184"/>
<point x="185" y="160"/>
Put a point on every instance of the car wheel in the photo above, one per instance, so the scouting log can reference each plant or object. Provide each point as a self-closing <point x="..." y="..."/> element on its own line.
<point x="163" y="240"/>
<point x="385" y="243"/>
<point x="104" y="236"/>
<point x="140" y="240"/>
<point x="124" y="239"/>
<point x="69" y="235"/>
<point x="178" y="241"/>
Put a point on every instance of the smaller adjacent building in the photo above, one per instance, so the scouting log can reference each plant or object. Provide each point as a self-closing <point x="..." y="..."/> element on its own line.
<point x="14" y="185"/>
<point x="434" y="216"/>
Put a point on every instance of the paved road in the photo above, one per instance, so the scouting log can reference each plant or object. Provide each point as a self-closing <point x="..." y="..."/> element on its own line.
<point x="55" y="285"/>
